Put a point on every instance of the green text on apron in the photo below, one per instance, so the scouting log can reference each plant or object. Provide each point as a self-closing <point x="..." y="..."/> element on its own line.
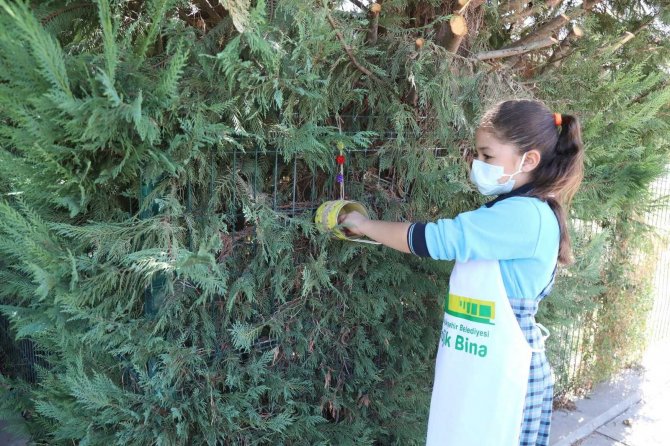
<point x="482" y="365"/>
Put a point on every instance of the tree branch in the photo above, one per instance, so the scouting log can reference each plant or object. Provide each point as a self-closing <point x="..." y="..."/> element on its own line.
<point x="545" y="30"/>
<point x="350" y="53"/>
<point x="451" y="33"/>
<point x="463" y="6"/>
<point x="655" y="89"/>
<point x="627" y="36"/>
<point x="533" y="10"/>
<point x="359" y="4"/>
<point x="516" y="50"/>
<point x="347" y="49"/>
<point x="563" y="48"/>
<point x="557" y="22"/>
<point x="511" y="5"/>
<point x="375" y="9"/>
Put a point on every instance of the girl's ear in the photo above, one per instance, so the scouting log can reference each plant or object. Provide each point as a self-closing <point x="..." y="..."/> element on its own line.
<point x="532" y="160"/>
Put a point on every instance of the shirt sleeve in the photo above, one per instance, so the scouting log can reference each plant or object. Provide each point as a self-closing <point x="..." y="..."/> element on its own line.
<point x="510" y="229"/>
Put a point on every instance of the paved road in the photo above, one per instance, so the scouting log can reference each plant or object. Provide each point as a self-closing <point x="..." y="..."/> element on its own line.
<point x="647" y="423"/>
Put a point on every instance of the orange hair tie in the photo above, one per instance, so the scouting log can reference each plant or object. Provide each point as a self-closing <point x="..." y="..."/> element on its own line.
<point x="558" y="119"/>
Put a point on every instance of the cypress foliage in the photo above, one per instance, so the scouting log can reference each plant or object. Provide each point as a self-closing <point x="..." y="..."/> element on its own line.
<point x="623" y="94"/>
<point x="138" y="153"/>
<point x="160" y="162"/>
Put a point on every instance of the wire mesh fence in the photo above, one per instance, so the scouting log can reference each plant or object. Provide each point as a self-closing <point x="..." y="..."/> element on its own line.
<point x="659" y="219"/>
<point x="18" y="358"/>
<point x="571" y="340"/>
<point x="567" y="360"/>
<point x="570" y="348"/>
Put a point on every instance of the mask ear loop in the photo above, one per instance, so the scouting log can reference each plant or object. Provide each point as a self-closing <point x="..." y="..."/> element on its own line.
<point x="519" y="170"/>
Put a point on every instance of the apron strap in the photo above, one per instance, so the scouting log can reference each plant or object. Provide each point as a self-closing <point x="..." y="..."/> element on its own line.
<point x="542" y="328"/>
<point x="545" y="335"/>
<point x="547" y="289"/>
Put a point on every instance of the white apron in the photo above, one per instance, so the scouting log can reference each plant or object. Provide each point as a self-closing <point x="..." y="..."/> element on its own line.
<point x="482" y="365"/>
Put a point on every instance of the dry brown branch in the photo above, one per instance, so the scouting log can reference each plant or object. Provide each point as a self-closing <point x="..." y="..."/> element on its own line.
<point x="229" y="240"/>
<point x="563" y="48"/>
<point x="545" y="30"/>
<point x="350" y="53"/>
<point x="557" y="22"/>
<point x="211" y="10"/>
<point x="511" y="5"/>
<point x="516" y="50"/>
<point x="587" y="5"/>
<point x="627" y="36"/>
<point x="359" y="4"/>
<point x="459" y="29"/>
<point x="463" y="5"/>
<point x="476" y="3"/>
<point x="548" y="29"/>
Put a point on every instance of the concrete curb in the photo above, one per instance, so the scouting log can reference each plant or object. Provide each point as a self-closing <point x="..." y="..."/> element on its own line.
<point x="590" y="427"/>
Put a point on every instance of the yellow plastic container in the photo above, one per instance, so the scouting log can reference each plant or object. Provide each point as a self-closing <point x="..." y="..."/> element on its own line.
<point x="329" y="212"/>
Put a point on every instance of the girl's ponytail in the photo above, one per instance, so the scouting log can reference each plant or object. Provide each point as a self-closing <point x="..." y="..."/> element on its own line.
<point x="569" y="152"/>
<point x="559" y="176"/>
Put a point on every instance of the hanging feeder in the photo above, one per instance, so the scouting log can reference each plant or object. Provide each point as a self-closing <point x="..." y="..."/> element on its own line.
<point x="328" y="214"/>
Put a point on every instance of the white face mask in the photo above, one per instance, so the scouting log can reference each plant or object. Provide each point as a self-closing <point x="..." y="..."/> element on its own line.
<point x="485" y="177"/>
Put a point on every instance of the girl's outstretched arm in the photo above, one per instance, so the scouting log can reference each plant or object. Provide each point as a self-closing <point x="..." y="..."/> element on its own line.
<point x="391" y="234"/>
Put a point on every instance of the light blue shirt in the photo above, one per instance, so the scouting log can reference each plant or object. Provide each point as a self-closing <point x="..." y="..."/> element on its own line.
<point x="521" y="232"/>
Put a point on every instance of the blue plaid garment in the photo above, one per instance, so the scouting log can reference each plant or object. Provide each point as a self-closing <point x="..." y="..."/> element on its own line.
<point x="540" y="393"/>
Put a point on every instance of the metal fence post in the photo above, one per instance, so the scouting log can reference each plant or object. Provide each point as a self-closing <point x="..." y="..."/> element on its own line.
<point x="154" y="295"/>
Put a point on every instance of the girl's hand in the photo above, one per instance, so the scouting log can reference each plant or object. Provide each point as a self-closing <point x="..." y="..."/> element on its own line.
<point x="352" y="222"/>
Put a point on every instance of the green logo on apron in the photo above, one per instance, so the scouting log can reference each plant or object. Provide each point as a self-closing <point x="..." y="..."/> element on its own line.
<point x="476" y="310"/>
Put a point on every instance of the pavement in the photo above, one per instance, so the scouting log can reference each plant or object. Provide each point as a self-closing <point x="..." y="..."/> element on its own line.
<point x="631" y="409"/>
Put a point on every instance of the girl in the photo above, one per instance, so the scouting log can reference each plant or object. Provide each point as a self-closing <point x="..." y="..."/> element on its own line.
<point x="493" y="384"/>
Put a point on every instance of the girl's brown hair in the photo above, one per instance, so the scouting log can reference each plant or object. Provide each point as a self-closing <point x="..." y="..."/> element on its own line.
<point x="530" y="125"/>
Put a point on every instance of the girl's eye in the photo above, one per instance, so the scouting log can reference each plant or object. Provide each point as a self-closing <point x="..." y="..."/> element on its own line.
<point x="487" y="157"/>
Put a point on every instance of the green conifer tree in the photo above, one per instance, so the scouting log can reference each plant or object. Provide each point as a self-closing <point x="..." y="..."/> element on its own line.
<point x="160" y="163"/>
